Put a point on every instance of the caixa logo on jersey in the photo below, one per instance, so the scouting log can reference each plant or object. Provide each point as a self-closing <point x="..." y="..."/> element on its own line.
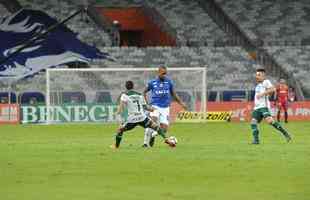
<point x="161" y="92"/>
<point x="69" y="113"/>
<point x="58" y="47"/>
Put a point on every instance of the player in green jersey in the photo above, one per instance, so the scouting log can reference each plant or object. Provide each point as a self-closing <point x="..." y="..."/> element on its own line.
<point x="261" y="111"/>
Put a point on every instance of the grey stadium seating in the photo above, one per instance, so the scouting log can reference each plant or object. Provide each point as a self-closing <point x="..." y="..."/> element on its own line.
<point x="278" y="22"/>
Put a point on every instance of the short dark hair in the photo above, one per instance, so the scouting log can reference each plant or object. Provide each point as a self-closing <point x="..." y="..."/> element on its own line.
<point x="129" y="85"/>
<point x="163" y="67"/>
<point x="261" y="70"/>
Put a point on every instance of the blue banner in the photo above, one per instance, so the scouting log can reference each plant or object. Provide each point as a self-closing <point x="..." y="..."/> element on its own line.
<point x="59" y="47"/>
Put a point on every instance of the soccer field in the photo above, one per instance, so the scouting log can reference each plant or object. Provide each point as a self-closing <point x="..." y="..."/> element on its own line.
<point x="212" y="161"/>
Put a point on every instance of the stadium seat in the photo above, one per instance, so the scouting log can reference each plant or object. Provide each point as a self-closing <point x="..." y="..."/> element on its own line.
<point x="87" y="30"/>
<point x="4" y="12"/>
<point x="277" y="23"/>
<point x="228" y="67"/>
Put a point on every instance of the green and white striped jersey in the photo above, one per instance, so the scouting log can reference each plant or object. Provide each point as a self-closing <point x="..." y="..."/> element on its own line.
<point x="135" y="103"/>
<point x="263" y="101"/>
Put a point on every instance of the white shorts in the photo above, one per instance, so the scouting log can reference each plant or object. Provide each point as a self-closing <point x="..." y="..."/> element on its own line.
<point x="162" y="114"/>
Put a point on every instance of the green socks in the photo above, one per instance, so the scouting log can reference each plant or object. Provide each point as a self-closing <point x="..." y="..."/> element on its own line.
<point x="278" y="126"/>
<point x="162" y="132"/>
<point x="255" y="132"/>
<point x="118" y="139"/>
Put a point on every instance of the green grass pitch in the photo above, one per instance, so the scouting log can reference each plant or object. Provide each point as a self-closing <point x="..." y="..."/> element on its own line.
<point x="212" y="161"/>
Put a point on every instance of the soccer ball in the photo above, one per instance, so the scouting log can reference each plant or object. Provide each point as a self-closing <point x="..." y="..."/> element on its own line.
<point x="173" y="139"/>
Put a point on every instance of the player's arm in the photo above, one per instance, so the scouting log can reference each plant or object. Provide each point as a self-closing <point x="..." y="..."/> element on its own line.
<point x="120" y="107"/>
<point x="148" y="108"/>
<point x="145" y="91"/>
<point x="269" y="91"/>
<point x="122" y="104"/>
<point x="178" y="99"/>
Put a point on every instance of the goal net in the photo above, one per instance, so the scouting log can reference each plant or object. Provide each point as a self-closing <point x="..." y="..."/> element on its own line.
<point x="91" y="94"/>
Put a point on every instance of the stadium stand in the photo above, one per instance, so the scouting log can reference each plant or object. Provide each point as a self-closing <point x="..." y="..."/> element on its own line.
<point x="296" y="60"/>
<point x="4" y="12"/>
<point x="193" y="25"/>
<point x="87" y="30"/>
<point x="229" y="67"/>
<point x="278" y="22"/>
<point x="191" y="22"/>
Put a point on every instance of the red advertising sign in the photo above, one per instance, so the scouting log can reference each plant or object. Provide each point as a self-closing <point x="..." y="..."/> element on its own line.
<point x="241" y="111"/>
<point x="9" y="114"/>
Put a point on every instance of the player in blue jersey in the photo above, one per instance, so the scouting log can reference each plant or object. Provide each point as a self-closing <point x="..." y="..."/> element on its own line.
<point x="162" y="93"/>
<point x="136" y="106"/>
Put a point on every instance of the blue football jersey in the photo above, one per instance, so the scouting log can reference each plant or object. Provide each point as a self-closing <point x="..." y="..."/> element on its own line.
<point x="161" y="92"/>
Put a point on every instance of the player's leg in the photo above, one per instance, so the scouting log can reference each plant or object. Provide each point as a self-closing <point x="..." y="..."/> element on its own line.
<point x="153" y="133"/>
<point x="163" y="121"/>
<point x="276" y="125"/>
<point x="279" y="111"/>
<point x="285" y="105"/>
<point x="256" y="119"/>
<point x="147" y="137"/>
<point x="163" y="127"/>
<point x="148" y="132"/>
<point x="255" y="131"/>
<point x="120" y="131"/>
<point x="148" y="123"/>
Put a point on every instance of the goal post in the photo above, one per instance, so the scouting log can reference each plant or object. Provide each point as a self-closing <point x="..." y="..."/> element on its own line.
<point x="91" y="94"/>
